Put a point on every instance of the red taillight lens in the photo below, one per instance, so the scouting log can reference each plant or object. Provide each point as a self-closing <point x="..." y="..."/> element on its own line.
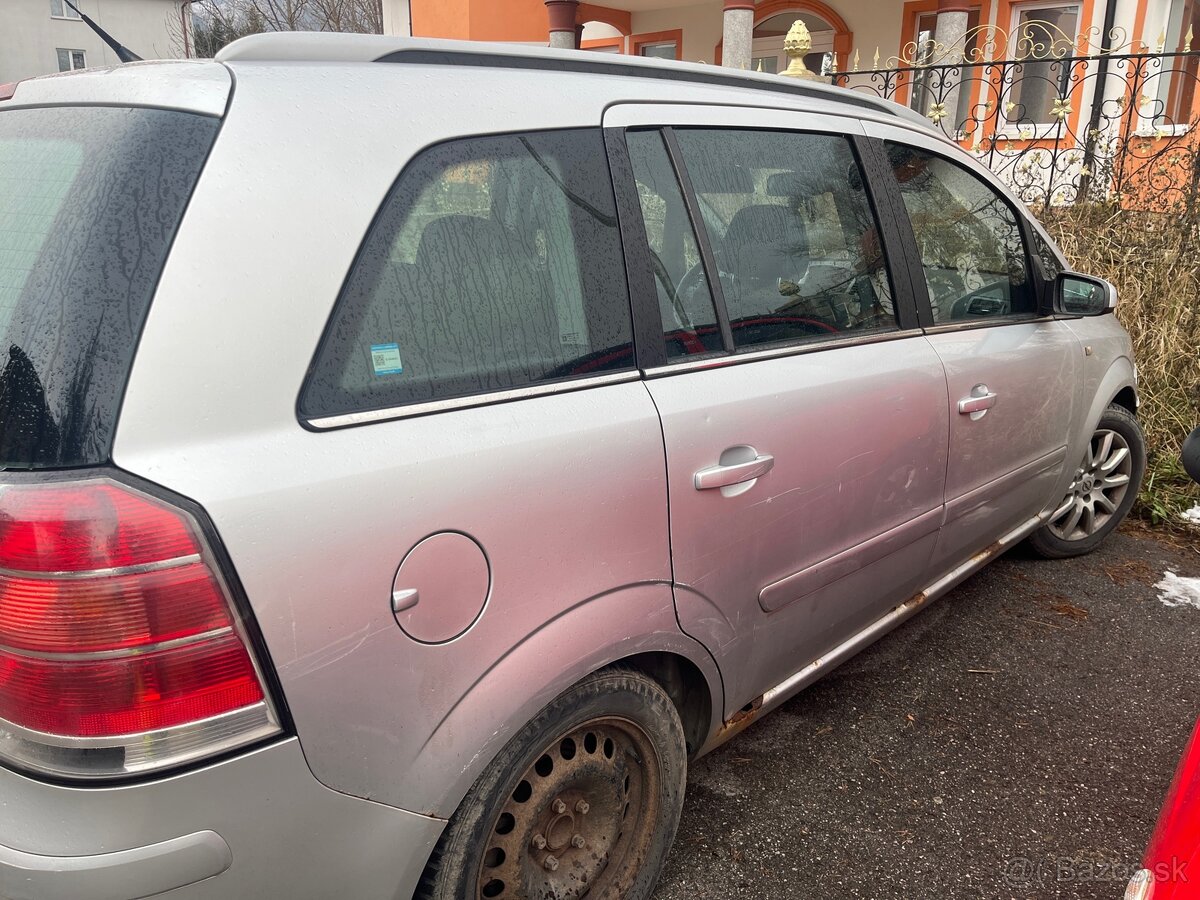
<point x="83" y="615"/>
<point x="87" y="526"/>
<point x="119" y="647"/>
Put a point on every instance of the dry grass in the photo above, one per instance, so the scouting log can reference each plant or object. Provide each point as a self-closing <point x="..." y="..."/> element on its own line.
<point x="1154" y="260"/>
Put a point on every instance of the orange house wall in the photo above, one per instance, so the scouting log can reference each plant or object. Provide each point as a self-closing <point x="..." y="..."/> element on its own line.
<point x="481" y="20"/>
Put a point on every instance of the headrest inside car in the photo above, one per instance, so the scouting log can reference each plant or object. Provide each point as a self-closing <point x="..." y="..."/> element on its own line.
<point x="722" y="179"/>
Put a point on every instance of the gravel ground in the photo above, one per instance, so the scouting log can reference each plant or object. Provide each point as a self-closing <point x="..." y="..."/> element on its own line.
<point x="1014" y="740"/>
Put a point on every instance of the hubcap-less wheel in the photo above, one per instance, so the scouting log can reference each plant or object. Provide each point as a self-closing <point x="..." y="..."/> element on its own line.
<point x="1097" y="490"/>
<point x="580" y="818"/>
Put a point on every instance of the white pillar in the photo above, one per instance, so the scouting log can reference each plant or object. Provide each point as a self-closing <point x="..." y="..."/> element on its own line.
<point x="738" y="34"/>
<point x="563" y="33"/>
<point x="397" y="18"/>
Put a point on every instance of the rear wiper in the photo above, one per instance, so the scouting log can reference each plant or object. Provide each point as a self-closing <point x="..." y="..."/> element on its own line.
<point x="124" y="54"/>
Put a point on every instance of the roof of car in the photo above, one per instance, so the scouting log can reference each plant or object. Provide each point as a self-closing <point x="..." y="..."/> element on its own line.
<point x="325" y="47"/>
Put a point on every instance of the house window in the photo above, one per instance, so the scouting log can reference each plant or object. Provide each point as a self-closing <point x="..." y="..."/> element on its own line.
<point x="60" y="10"/>
<point x="1043" y="37"/>
<point x="1178" y="75"/>
<point x="664" y="50"/>
<point x="658" y="44"/>
<point x="71" y="59"/>
<point x="932" y="86"/>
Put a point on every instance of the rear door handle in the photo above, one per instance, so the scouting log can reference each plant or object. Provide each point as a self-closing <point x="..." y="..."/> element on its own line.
<point x="723" y="476"/>
<point x="981" y="399"/>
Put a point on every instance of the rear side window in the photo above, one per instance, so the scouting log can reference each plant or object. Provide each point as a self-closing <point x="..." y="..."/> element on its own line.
<point x="495" y="263"/>
<point x="792" y="233"/>
<point x="90" y="199"/>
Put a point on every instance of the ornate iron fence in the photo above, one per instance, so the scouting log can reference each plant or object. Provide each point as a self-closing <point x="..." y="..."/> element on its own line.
<point x="1058" y="125"/>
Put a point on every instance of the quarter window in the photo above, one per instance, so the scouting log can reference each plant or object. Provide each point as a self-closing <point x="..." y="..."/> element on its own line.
<point x="792" y="234"/>
<point x="494" y="264"/>
<point x="968" y="235"/>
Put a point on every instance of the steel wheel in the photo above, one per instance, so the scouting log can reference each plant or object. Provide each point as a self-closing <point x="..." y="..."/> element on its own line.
<point x="1098" y="489"/>
<point x="582" y="801"/>
<point x="578" y="818"/>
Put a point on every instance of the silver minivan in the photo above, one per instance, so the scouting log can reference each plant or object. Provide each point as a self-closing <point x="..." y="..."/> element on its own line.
<point x="414" y="453"/>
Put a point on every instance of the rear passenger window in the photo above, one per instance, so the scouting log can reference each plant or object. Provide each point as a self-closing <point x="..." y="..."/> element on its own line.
<point x="792" y="233"/>
<point x="495" y="263"/>
<point x="971" y="245"/>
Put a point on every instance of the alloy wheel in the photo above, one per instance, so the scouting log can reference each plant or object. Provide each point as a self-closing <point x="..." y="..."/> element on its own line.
<point x="1097" y="489"/>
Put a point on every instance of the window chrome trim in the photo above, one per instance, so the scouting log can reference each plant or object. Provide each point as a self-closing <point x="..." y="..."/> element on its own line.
<point x="411" y="410"/>
<point x="816" y="346"/>
<point x="989" y="322"/>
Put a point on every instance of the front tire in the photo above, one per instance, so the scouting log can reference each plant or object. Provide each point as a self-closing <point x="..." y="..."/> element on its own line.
<point x="583" y="802"/>
<point x="1105" y="485"/>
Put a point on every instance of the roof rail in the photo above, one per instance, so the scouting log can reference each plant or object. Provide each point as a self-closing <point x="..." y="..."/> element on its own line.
<point x="325" y="47"/>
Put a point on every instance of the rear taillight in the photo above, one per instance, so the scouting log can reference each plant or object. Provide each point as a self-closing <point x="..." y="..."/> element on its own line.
<point x="121" y="650"/>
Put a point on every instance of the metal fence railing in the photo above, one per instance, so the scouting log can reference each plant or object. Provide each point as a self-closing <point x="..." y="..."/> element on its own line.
<point x="1061" y="126"/>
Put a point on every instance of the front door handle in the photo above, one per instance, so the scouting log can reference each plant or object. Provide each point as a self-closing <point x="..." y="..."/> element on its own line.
<point x="980" y="401"/>
<point x="724" y="476"/>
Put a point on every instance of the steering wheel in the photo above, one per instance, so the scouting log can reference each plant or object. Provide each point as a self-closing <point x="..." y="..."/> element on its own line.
<point x="978" y="304"/>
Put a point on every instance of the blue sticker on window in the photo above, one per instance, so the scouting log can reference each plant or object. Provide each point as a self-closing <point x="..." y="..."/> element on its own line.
<point x="385" y="359"/>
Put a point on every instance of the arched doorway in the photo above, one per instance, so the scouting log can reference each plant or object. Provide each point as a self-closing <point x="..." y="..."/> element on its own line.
<point x="767" y="55"/>
<point x="831" y="35"/>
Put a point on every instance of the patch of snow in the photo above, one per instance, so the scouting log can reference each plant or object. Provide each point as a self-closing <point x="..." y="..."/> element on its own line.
<point x="1176" y="591"/>
<point x="1192" y="515"/>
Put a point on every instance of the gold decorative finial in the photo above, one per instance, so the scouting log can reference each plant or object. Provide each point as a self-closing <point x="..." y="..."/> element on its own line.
<point x="875" y="62"/>
<point x="795" y="45"/>
<point x="854" y="68"/>
<point x="833" y="63"/>
<point x="1162" y="41"/>
<point x="759" y="68"/>
<point x="1187" y="41"/>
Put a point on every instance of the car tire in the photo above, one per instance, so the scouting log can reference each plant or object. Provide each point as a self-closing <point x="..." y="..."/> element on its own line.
<point x="1105" y="485"/>
<point x="585" y="799"/>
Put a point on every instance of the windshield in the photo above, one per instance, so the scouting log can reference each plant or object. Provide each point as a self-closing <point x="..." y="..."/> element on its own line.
<point x="90" y="198"/>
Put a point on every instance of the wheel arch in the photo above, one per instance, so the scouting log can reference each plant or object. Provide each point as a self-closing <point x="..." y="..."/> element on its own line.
<point x="1128" y="398"/>
<point x="593" y="635"/>
<point x="1118" y="385"/>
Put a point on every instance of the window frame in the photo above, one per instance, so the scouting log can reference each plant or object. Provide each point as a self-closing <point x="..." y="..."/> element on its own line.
<point x="1050" y="127"/>
<point x="67" y="15"/>
<point x="1033" y="267"/>
<point x="908" y="322"/>
<point x="71" y="51"/>
<point x="656" y="38"/>
<point x="367" y="416"/>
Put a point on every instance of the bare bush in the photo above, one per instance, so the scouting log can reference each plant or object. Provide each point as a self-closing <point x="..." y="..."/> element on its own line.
<point x="1152" y="259"/>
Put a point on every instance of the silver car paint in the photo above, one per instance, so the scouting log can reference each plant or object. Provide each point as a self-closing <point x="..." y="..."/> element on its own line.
<point x="287" y="836"/>
<point x="565" y="493"/>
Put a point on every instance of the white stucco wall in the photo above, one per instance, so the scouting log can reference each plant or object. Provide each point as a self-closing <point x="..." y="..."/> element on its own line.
<point x="701" y="26"/>
<point x="29" y="37"/>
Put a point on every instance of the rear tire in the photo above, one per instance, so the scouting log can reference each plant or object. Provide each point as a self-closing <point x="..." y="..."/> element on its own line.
<point x="584" y="800"/>
<point x="1105" y="485"/>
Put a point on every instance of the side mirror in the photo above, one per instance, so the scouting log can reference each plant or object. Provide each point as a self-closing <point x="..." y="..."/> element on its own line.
<point x="1083" y="295"/>
<point x="1191" y="454"/>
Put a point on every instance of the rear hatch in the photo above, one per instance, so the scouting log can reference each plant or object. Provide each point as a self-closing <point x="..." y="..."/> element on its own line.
<point x="125" y="644"/>
<point x="90" y="198"/>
